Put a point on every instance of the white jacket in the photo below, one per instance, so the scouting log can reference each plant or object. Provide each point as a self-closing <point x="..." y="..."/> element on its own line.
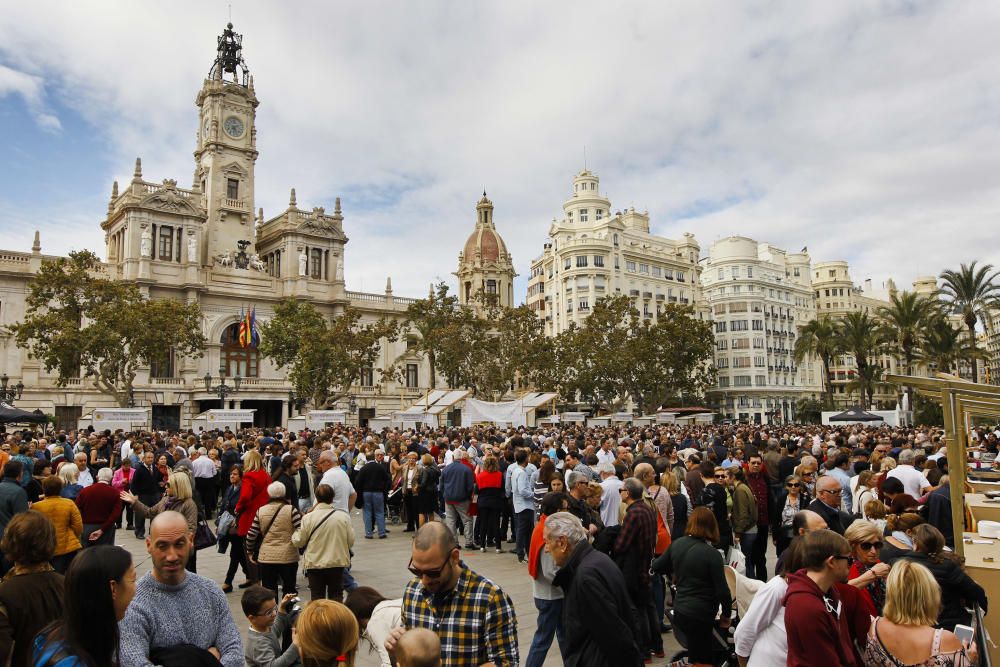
<point x="386" y="617"/>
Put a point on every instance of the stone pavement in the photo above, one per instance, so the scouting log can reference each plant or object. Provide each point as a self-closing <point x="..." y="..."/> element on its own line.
<point x="381" y="564"/>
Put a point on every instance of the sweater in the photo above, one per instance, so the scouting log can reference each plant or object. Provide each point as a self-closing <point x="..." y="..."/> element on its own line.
<point x="99" y="504"/>
<point x="263" y="649"/>
<point x="698" y="569"/>
<point x="816" y="625"/>
<point x="65" y="518"/>
<point x="193" y="612"/>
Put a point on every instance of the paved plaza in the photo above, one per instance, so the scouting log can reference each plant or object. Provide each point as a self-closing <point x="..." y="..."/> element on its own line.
<point x="381" y="564"/>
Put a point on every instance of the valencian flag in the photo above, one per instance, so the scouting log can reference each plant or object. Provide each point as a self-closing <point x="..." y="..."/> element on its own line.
<point x="248" y="327"/>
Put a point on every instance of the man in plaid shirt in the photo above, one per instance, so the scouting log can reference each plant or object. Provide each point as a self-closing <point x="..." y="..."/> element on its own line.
<point x="471" y="615"/>
<point x="633" y="554"/>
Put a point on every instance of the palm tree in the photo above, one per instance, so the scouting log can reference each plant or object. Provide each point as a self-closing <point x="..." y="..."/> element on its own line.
<point x="972" y="292"/>
<point x="864" y="338"/>
<point x="819" y="337"/>
<point x="905" y="319"/>
<point x="945" y="346"/>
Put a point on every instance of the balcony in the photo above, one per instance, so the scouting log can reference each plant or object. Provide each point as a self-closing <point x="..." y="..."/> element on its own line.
<point x="647" y="295"/>
<point x="672" y="299"/>
<point x="660" y="297"/>
<point x="685" y="300"/>
<point x="633" y="292"/>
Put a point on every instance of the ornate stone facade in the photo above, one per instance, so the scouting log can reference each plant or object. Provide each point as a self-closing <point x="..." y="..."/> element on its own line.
<point x="485" y="267"/>
<point x="204" y="244"/>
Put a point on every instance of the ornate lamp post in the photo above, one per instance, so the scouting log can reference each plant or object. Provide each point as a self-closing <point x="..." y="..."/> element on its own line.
<point x="11" y="394"/>
<point x="298" y="402"/>
<point x="222" y="389"/>
<point x="352" y="405"/>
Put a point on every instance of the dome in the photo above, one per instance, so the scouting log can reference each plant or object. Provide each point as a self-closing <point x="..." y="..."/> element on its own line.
<point x="488" y="242"/>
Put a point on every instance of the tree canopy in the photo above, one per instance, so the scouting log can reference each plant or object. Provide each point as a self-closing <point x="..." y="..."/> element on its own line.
<point x="78" y="321"/>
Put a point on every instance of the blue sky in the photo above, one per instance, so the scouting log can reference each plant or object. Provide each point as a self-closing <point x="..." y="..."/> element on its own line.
<point x="867" y="131"/>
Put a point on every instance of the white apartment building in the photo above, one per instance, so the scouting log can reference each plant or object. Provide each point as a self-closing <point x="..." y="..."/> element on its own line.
<point x="593" y="252"/>
<point x="759" y="296"/>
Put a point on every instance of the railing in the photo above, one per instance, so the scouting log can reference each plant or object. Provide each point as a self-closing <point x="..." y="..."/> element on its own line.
<point x="167" y="381"/>
<point x="238" y="204"/>
<point x="266" y="382"/>
<point x="14" y="258"/>
<point x="365" y="297"/>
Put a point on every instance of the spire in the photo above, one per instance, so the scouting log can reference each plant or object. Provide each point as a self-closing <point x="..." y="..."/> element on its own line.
<point x="229" y="59"/>
<point x="260" y="216"/>
<point x="336" y="206"/>
<point x="36" y="247"/>
<point x="388" y="285"/>
<point x="430" y="292"/>
<point x="137" y="174"/>
<point x="291" y="199"/>
<point x="114" y="190"/>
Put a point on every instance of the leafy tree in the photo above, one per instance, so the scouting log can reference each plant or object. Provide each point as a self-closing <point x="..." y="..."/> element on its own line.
<point x="598" y="349"/>
<point x="325" y="356"/>
<point x="77" y="320"/>
<point x="905" y="320"/>
<point x="864" y="338"/>
<point x="808" y="411"/>
<point x="945" y="346"/>
<point x="819" y="338"/>
<point x="972" y="292"/>
<point x="432" y="318"/>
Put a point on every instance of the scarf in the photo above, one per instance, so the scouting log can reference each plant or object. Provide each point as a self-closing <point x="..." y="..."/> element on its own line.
<point x="536" y="546"/>
<point x="876" y="589"/>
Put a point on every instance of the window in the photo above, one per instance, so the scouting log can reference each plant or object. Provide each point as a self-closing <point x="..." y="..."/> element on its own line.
<point x="630" y="266"/>
<point x="599" y="260"/>
<point x="411" y="343"/>
<point x="583" y="215"/>
<point x="735" y="271"/>
<point x="680" y="276"/>
<point x="738" y="325"/>
<point x="796" y="272"/>
<point x="600" y="213"/>
<point x="668" y="274"/>
<point x="749" y="272"/>
<point x="720" y="327"/>
<point x="723" y="382"/>
<point x="758" y="362"/>
<point x="721" y="344"/>
<point x="367" y="376"/>
<point x="567" y="263"/>
<point x="758" y="343"/>
<point x="593" y="186"/>
<point x="412" y="376"/>
<point x="722" y="362"/>
<point x="761" y="382"/>
<point x="581" y="260"/>
<point x="657" y="272"/>
<point x="163" y="368"/>
<point x="615" y="240"/>
<point x="722" y="274"/>
<point x="166" y="242"/>
<point x="741" y="344"/>
<point x="741" y="362"/>
<point x="644" y="268"/>
<point x="720" y="309"/>
<point x="232" y="188"/>
<point x="583" y="304"/>
<point x="316" y="263"/>
<point x="617" y="264"/>
<point x="742" y="381"/>
<point x="758" y="325"/>
<point x="238" y="360"/>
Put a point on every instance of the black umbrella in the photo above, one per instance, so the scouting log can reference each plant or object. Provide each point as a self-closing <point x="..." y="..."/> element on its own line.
<point x="855" y="414"/>
<point x="11" y="415"/>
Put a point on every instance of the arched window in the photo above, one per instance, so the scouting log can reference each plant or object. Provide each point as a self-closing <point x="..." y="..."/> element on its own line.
<point x="316" y="264"/>
<point x="238" y="360"/>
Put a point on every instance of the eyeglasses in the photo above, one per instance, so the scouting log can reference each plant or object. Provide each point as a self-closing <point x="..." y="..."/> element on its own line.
<point x="832" y="493"/>
<point x="868" y="546"/>
<point x="430" y="574"/>
<point x="720" y="476"/>
<point x="273" y="611"/>
<point x="793" y="485"/>
<point x="849" y="559"/>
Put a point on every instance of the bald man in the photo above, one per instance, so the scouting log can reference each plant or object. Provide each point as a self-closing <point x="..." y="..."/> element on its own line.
<point x="172" y="606"/>
<point x="472" y="616"/>
<point x="827" y="504"/>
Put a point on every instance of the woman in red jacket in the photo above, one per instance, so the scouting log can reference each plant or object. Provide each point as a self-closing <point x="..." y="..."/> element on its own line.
<point x="253" y="496"/>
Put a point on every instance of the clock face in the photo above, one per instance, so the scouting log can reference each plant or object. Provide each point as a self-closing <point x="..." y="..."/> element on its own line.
<point x="233" y="127"/>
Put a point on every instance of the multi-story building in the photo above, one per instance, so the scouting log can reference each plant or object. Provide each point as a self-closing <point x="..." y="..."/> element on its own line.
<point x="759" y="296"/>
<point x="206" y="245"/>
<point x="485" y="268"/>
<point x="592" y="253"/>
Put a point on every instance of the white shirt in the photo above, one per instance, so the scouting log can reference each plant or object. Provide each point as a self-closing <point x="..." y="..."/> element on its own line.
<point x="611" y="500"/>
<point x="605" y="456"/>
<point x="203" y="467"/>
<point x="126" y="449"/>
<point x="449" y="456"/>
<point x="913" y="480"/>
<point x="761" y="633"/>
<point x="338" y="480"/>
<point x="85" y="479"/>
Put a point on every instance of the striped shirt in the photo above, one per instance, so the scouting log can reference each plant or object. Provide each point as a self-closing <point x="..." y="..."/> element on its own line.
<point x="475" y="621"/>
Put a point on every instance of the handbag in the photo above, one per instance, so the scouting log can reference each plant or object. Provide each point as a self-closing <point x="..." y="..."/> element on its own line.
<point x="736" y="560"/>
<point x="302" y="549"/>
<point x="226" y="522"/>
<point x="203" y="536"/>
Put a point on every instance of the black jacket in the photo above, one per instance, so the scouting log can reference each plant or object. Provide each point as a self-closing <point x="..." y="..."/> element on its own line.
<point x="836" y="520"/>
<point x="958" y="590"/>
<point x="145" y="483"/>
<point x="372" y="478"/>
<point x="598" y="617"/>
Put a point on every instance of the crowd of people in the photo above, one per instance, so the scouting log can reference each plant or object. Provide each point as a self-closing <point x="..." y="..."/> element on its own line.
<point x="626" y="533"/>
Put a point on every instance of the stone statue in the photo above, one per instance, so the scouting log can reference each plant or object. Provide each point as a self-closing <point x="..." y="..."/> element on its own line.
<point x="303" y="262"/>
<point x="192" y="249"/>
<point x="256" y="263"/>
<point x="146" y="243"/>
<point x="226" y="259"/>
<point x="340" y="269"/>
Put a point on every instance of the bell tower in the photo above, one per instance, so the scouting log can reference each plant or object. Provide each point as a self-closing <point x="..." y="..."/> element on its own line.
<point x="227" y="148"/>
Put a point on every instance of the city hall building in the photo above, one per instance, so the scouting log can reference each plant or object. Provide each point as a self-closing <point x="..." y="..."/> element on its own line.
<point x="207" y="244"/>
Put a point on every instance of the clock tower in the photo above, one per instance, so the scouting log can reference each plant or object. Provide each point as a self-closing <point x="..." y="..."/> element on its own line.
<point x="227" y="149"/>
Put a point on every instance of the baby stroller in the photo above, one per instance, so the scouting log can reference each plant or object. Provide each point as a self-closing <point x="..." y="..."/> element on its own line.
<point x="724" y="645"/>
<point x="394" y="502"/>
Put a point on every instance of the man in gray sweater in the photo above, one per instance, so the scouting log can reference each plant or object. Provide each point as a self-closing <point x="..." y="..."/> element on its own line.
<point x="172" y="606"/>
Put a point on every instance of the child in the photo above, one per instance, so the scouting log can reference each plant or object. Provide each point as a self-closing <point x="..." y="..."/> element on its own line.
<point x="418" y="647"/>
<point x="268" y="622"/>
<point x="876" y="513"/>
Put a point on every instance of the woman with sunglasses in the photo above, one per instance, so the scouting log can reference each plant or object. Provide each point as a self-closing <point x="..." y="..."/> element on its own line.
<point x="868" y="573"/>
<point x="791" y="499"/>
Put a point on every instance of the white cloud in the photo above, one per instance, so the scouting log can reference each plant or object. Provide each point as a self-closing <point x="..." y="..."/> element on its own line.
<point x="867" y="131"/>
<point x="31" y="90"/>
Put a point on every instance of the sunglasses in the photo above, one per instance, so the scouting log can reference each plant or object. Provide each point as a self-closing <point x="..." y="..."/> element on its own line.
<point x="868" y="546"/>
<point x="849" y="559"/>
<point x="793" y="485"/>
<point x="430" y="574"/>
<point x="720" y="476"/>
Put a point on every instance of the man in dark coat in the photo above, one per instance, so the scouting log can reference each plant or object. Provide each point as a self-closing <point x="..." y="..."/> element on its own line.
<point x="598" y="617"/>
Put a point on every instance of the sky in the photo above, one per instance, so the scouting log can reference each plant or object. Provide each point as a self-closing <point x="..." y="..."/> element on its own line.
<point x="865" y="131"/>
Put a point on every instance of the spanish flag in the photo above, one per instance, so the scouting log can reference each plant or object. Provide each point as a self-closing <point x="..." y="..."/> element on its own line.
<point x="244" y="328"/>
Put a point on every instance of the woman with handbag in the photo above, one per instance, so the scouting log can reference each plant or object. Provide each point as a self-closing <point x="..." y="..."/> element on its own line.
<point x="427" y="498"/>
<point x="178" y="498"/>
<point x="230" y="536"/>
<point x="325" y="539"/>
<point x="269" y="541"/>
<point x="253" y="496"/>
<point x="791" y="500"/>
<point x="410" y="472"/>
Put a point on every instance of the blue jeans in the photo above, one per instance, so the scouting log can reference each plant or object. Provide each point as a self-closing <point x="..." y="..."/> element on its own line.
<point x="374" y="512"/>
<point x="746" y="546"/>
<point x="549" y="622"/>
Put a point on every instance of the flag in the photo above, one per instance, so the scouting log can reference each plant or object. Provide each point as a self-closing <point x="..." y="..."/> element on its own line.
<point x="243" y="328"/>
<point x="252" y="335"/>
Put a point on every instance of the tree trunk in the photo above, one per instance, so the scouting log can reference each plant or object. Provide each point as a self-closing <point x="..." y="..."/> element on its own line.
<point x="972" y="359"/>
<point x="828" y="381"/>
<point x="430" y="360"/>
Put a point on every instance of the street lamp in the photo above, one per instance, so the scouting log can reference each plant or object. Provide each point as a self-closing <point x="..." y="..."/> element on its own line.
<point x="9" y="395"/>
<point x="222" y="389"/>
